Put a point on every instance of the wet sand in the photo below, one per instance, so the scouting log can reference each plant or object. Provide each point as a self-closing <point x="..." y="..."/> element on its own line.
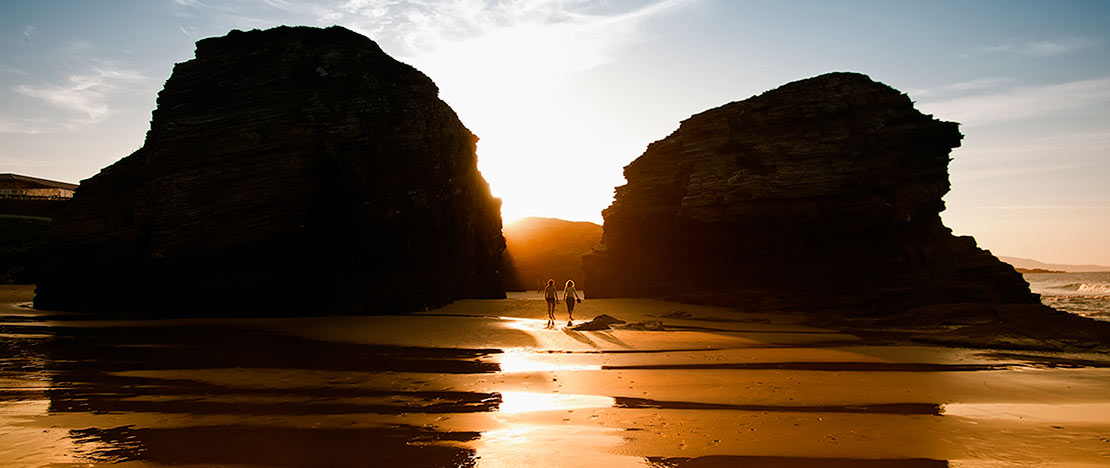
<point x="484" y="383"/>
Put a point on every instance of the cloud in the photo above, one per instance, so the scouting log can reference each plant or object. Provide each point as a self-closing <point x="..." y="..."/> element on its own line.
<point x="1022" y="102"/>
<point x="1042" y="48"/>
<point x="12" y="70"/>
<point x="1046" y="207"/>
<point x="10" y="162"/>
<point x="1054" y="47"/>
<point x="84" y="99"/>
<point x="416" y="27"/>
<point x="984" y="173"/>
<point x="978" y="84"/>
<point x="27" y="35"/>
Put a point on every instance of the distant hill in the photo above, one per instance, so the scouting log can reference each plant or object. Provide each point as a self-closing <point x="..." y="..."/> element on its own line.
<point x="1029" y="264"/>
<point x="540" y="248"/>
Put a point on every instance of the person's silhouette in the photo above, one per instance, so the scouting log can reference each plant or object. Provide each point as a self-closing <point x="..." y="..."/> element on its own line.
<point x="551" y="295"/>
<point x="571" y="296"/>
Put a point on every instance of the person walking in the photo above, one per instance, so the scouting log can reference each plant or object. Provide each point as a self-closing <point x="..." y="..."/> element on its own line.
<point x="551" y="295"/>
<point x="571" y="296"/>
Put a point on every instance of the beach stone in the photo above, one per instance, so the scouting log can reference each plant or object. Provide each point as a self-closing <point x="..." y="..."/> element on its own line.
<point x="822" y="194"/>
<point x="291" y="170"/>
<point x="647" y="325"/>
<point x="601" y="322"/>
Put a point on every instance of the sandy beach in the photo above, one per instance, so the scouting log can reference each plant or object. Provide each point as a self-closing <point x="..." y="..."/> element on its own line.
<point x="484" y="383"/>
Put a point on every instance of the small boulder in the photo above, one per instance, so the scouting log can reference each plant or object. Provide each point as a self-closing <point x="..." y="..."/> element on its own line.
<point x="601" y="322"/>
<point x="648" y="325"/>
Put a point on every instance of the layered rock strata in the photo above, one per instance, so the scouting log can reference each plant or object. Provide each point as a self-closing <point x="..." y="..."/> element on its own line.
<point x="822" y="194"/>
<point x="292" y="170"/>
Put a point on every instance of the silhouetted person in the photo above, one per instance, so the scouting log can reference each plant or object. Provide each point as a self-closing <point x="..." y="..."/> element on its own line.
<point x="551" y="295"/>
<point x="571" y="296"/>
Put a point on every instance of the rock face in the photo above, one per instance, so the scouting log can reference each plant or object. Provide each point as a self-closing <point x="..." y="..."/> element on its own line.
<point x="297" y="170"/>
<point x="822" y="194"/>
<point x="538" y="249"/>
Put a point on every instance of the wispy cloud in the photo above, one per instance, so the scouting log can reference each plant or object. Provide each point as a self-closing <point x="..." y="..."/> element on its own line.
<point x="9" y="162"/>
<point x="984" y="173"/>
<point x="1041" y="48"/>
<point x="84" y="99"/>
<point x="1022" y="102"/>
<point x="1046" y="207"/>
<point x="27" y="36"/>
<point x="12" y="70"/>
<point x="1054" y="47"/>
<point x="418" y="27"/>
<point x="978" y="85"/>
<point x="29" y="125"/>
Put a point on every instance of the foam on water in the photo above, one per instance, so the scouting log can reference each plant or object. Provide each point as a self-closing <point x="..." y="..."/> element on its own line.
<point x="1086" y="294"/>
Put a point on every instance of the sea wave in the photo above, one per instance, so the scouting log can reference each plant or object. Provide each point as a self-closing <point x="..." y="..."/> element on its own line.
<point x="1092" y="288"/>
<point x="1086" y="294"/>
<point x="1099" y="288"/>
<point x="1096" y="307"/>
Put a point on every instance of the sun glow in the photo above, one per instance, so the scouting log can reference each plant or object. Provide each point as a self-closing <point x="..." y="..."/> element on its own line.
<point x="523" y="402"/>
<point x="547" y="146"/>
<point x="523" y="360"/>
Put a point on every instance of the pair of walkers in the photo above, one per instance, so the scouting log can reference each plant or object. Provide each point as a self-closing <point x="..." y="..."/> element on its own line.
<point x="551" y="295"/>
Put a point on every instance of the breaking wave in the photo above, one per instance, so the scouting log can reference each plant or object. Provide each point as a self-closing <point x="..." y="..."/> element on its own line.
<point x="1094" y="288"/>
<point x="1086" y="294"/>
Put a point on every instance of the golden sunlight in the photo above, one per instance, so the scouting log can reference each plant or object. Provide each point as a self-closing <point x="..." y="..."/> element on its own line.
<point x="523" y="402"/>
<point x="538" y="149"/>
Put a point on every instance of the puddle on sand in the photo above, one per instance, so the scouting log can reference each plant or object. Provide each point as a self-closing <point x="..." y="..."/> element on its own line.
<point x="525" y="402"/>
<point x="882" y="408"/>
<point x="523" y="360"/>
<point x="552" y="446"/>
<point x="1036" y="412"/>
<point x="724" y="461"/>
<point x="524" y="324"/>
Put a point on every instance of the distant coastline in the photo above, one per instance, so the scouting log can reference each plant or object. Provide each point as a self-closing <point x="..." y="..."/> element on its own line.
<point x="1024" y="264"/>
<point x="1036" y="270"/>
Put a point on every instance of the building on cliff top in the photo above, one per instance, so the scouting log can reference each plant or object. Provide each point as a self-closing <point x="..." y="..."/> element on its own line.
<point x="15" y="186"/>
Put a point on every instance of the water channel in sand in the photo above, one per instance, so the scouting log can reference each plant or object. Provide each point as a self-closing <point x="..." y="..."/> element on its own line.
<point x="483" y="383"/>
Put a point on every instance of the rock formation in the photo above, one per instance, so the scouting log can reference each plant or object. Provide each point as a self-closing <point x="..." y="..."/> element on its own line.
<point x="822" y="194"/>
<point x="538" y="249"/>
<point x="292" y="170"/>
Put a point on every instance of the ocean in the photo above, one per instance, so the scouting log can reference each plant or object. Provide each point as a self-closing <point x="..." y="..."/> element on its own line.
<point x="1086" y="294"/>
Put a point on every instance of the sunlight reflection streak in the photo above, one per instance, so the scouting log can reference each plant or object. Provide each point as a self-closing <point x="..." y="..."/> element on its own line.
<point x="526" y="402"/>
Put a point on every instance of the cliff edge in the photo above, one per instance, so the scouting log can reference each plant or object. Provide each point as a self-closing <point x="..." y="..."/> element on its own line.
<point x="823" y="196"/>
<point x="292" y="170"/>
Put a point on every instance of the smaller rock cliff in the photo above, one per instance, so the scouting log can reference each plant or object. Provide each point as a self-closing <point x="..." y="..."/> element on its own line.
<point x="538" y="249"/>
<point x="292" y="170"/>
<point x="822" y="194"/>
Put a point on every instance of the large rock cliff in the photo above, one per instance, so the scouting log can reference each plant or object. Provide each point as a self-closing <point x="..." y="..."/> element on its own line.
<point x="292" y="170"/>
<point x="822" y="194"/>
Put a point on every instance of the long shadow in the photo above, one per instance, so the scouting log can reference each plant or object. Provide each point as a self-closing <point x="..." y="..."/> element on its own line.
<point x="608" y="336"/>
<point x="823" y="366"/>
<point x="577" y="335"/>
<point x="741" y="461"/>
<point x="276" y="446"/>
<point x="930" y="409"/>
<point x="108" y="349"/>
<point x="78" y="369"/>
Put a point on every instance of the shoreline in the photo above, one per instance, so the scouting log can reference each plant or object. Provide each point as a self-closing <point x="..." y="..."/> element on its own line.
<point x="483" y="383"/>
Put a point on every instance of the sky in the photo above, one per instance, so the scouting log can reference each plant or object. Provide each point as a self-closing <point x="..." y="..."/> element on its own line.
<point x="564" y="93"/>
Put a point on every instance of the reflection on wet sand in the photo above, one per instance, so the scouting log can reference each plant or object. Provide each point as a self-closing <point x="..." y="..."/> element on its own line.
<point x="724" y="461"/>
<point x="522" y="402"/>
<point x="275" y="446"/>
<point x="524" y="360"/>
<point x="349" y="391"/>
